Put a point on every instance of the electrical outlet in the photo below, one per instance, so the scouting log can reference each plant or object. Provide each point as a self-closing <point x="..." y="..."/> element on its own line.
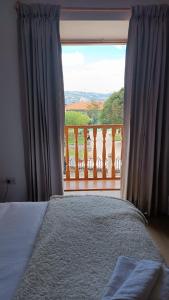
<point x="10" y="180"/>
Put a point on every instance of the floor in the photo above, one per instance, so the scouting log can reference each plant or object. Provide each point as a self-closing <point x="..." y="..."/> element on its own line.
<point x="91" y="185"/>
<point x="159" y="231"/>
<point x="158" y="227"/>
<point x="116" y="194"/>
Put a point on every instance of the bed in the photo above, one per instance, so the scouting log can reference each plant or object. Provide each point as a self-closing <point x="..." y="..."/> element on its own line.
<point x="67" y="248"/>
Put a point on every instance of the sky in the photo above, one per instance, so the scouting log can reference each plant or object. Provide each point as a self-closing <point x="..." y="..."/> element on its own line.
<point x="93" y="68"/>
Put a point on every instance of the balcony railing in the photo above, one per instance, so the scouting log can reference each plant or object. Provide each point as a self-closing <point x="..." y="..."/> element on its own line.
<point x="93" y="152"/>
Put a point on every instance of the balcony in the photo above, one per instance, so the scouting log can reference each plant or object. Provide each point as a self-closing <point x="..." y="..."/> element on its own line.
<point x="93" y="157"/>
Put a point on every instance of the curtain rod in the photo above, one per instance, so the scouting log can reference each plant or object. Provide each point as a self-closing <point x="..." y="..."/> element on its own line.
<point x="94" y="9"/>
<point x="89" y="9"/>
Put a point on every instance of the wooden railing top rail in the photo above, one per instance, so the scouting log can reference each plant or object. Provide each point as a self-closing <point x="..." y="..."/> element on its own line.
<point x="106" y="126"/>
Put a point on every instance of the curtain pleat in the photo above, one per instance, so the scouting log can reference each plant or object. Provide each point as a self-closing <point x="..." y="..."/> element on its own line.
<point x="145" y="171"/>
<point x="42" y="98"/>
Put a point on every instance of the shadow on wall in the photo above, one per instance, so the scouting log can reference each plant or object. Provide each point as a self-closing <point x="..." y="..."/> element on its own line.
<point x="11" y="148"/>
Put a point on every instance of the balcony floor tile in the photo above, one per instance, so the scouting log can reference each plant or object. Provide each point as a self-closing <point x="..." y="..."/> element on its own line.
<point x="91" y="185"/>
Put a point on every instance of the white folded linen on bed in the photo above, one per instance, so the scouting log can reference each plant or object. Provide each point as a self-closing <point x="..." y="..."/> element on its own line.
<point x="141" y="280"/>
<point x="19" y="225"/>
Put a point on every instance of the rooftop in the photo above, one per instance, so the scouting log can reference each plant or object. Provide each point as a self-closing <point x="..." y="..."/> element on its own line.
<point x="85" y="105"/>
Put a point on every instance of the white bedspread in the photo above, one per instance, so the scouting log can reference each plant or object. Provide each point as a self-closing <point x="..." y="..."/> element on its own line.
<point x="19" y="224"/>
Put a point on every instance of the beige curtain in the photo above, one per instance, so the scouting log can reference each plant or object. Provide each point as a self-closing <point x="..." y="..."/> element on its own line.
<point x="145" y="174"/>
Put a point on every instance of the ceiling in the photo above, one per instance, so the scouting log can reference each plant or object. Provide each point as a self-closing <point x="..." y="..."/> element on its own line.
<point x="94" y="31"/>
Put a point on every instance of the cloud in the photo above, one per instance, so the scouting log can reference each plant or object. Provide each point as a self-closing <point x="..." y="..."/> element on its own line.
<point x="100" y="76"/>
<point x="72" y="59"/>
<point x="120" y="47"/>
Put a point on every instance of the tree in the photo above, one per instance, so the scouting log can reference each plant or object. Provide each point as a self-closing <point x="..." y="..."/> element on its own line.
<point x="94" y="112"/>
<point x="76" y="118"/>
<point x="112" y="112"/>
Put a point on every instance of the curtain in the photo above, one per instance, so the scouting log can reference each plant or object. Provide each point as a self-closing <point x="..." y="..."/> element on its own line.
<point x="145" y="174"/>
<point x="42" y="98"/>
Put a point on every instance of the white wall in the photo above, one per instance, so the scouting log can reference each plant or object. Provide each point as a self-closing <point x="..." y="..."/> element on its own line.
<point x="98" y="3"/>
<point x="11" y="142"/>
<point x="11" y="139"/>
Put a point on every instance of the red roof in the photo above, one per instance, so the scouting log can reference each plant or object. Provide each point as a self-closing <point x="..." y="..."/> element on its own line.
<point x="85" y="105"/>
